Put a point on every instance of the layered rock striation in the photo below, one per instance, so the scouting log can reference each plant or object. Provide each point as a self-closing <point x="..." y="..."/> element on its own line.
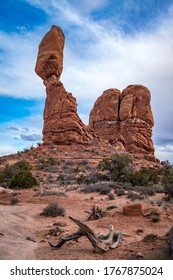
<point x="62" y="124"/>
<point x="125" y="118"/>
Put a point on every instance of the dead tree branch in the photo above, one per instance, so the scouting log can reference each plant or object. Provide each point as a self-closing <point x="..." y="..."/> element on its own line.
<point x="101" y="243"/>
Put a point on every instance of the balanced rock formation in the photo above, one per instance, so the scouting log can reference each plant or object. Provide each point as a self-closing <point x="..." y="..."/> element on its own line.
<point x="62" y="124"/>
<point x="125" y="118"/>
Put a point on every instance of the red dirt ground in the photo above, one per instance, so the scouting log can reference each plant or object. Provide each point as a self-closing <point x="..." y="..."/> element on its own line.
<point x="18" y="222"/>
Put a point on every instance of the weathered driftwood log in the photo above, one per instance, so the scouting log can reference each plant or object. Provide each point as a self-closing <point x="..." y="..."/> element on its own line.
<point x="101" y="243"/>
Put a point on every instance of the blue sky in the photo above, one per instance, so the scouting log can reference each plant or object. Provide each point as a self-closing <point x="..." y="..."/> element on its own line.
<point x="109" y="43"/>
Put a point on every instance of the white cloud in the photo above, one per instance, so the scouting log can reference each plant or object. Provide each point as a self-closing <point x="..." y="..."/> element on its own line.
<point x="85" y="6"/>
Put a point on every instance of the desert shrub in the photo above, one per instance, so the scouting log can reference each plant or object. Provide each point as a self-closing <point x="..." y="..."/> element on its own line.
<point x="51" y="192"/>
<point x="167" y="182"/>
<point x="117" y="166"/>
<point x="120" y="192"/>
<point x="14" y="200"/>
<point x="105" y="190"/>
<point x="11" y="170"/>
<point x="92" y="178"/>
<point x="69" y="162"/>
<point x="111" y="196"/>
<point x="52" y="161"/>
<point x="41" y="160"/>
<point x="1" y="177"/>
<point x="2" y="160"/>
<point x="122" y="185"/>
<point x="134" y="196"/>
<point x="166" y="168"/>
<point x="143" y="177"/>
<point x="53" y="209"/>
<point x="23" y="179"/>
<point x="145" y="190"/>
<point x="91" y="188"/>
<point x="96" y="213"/>
<point x="155" y="216"/>
<point x="84" y="162"/>
<point x="101" y="187"/>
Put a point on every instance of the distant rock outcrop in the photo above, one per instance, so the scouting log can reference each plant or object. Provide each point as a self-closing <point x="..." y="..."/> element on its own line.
<point x="62" y="124"/>
<point x="125" y="119"/>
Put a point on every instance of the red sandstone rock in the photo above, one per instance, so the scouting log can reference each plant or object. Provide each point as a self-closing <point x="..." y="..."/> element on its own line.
<point x="62" y="124"/>
<point x="136" y="120"/>
<point x="104" y="117"/>
<point x="135" y="209"/>
<point x="125" y="118"/>
<point x="50" y="54"/>
<point x="135" y="103"/>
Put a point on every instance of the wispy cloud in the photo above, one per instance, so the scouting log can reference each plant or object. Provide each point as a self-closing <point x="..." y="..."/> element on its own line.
<point x="31" y="137"/>
<point x="13" y="128"/>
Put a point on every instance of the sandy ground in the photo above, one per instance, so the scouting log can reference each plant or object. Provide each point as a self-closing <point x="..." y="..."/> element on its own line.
<point x="23" y="220"/>
<point x="17" y="225"/>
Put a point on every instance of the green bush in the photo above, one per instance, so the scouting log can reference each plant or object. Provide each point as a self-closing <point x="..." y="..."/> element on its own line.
<point x="105" y="190"/>
<point x="166" y="168"/>
<point x="155" y="216"/>
<point x="53" y="209"/>
<point x="23" y="179"/>
<point x="52" y="161"/>
<point x="101" y="187"/>
<point x="143" y="177"/>
<point x="120" y="192"/>
<point x="167" y="182"/>
<point x="117" y="166"/>
<point x="146" y="190"/>
<point x="111" y="196"/>
<point x="11" y="170"/>
<point x="134" y="196"/>
<point x="1" y="177"/>
<point x="92" y="178"/>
